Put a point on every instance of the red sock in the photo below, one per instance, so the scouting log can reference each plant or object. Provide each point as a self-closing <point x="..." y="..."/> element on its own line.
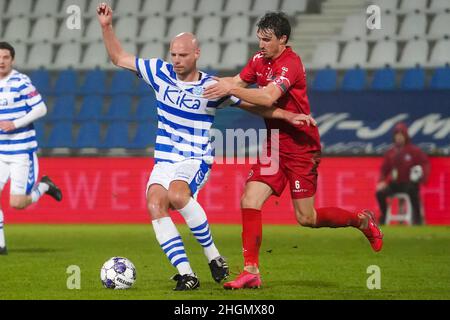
<point x="251" y="235"/>
<point x="335" y="218"/>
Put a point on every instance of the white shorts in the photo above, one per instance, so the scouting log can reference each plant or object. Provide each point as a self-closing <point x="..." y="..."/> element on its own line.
<point x="194" y="172"/>
<point x="23" y="170"/>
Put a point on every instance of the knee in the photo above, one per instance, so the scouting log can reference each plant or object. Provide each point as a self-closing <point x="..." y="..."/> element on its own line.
<point x="304" y="219"/>
<point x="177" y="199"/>
<point x="248" y="201"/>
<point x="18" y="204"/>
<point x="156" y="208"/>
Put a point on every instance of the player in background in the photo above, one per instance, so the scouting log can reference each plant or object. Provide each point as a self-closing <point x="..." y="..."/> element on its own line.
<point x="20" y="105"/>
<point x="280" y="75"/>
<point x="183" y="152"/>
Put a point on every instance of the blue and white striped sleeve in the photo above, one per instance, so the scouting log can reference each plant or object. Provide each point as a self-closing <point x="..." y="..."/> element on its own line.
<point x="146" y="70"/>
<point x="31" y="96"/>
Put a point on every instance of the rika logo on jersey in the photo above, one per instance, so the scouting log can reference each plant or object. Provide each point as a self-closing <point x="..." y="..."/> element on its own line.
<point x="181" y="99"/>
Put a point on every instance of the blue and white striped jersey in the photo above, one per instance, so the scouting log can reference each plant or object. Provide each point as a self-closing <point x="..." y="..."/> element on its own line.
<point x="18" y="97"/>
<point x="184" y="116"/>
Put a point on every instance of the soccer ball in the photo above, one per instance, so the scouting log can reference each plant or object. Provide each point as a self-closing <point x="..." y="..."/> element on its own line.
<point x="118" y="273"/>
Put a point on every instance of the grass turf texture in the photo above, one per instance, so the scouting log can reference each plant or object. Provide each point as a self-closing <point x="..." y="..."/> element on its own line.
<point x="297" y="263"/>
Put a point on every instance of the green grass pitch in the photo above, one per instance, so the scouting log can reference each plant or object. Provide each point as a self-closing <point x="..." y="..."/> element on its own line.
<point x="297" y="263"/>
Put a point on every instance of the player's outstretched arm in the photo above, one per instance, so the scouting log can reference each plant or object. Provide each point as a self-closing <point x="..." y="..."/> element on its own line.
<point x="295" y="119"/>
<point x="115" y="51"/>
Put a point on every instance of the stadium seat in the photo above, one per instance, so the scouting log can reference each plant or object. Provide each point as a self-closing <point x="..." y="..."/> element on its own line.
<point x="235" y="55"/>
<point x="440" y="5"/>
<point x="40" y="56"/>
<point x="384" y="79"/>
<point x="154" y="49"/>
<point x="143" y="88"/>
<point x="388" y="30"/>
<point x="440" y="26"/>
<point x="66" y="82"/>
<point x="260" y="7"/>
<point x="441" y="78"/>
<point x="180" y="25"/>
<point x="17" y="29"/>
<point x="3" y="6"/>
<point x="79" y="3"/>
<point x="93" y="31"/>
<point x="180" y="7"/>
<point x="127" y="7"/>
<point x="149" y="32"/>
<point x="293" y="7"/>
<point x="41" y="80"/>
<point x="126" y="28"/>
<point x="63" y="109"/>
<point x="37" y="32"/>
<point x="384" y="53"/>
<point x="68" y="56"/>
<point x="354" y="80"/>
<point x="413" y="5"/>
<point x="44" y="8"/>
<point x="441" y="54"/>
<point x="210" y="55"/>
<point x="20" y="61"/>
<point x="385" y="5"/>
<point x="94" y="82"/>
<point x="236" y="28"/>
<point x="354" y="54"/>
<point x="354" y="27"/>
<point x="209" y="28"/>
<point x="91" y="108"/>
<point x="413" y="79"/>
<point x="39" y="127"/>
<point x="210" y="7"/>
<point x="145" y="136"/>
<point x="95" y="56"/>
<point x="152" y="7"/>
<point x="122" y="82"/>
<point x="146" y="109"/>
<point x="233" y="7"/>
<point x="325" y="54"/>
<point x="325" y="80"/>
<point x="414" y="25"/>
<point x="60" y="135"/>
<point x="116" y="136"/>
<point x="414" y="53"/>
<point x="88" y="135"/>
<point x="120" y="108"/>
<point x="19" y="8"/>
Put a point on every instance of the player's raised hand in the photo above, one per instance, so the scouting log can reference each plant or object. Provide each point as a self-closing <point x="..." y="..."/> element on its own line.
<point x="104" y="14"/>
<point x="219" y="89"/>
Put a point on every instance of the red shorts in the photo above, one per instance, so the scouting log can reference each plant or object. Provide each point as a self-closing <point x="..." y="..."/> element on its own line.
<point x="300" y="170"/>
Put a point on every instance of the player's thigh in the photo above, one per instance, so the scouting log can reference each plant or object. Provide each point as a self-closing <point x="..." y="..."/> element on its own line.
<point x="255" y="195"/>
<point x="157" y="201"/>
<point x="24" y="174"/>
<point x="179" y="193"/>
<point x="161" y="174"/>
<point x="4" y="174"/>
<point x="195" y="174"/>
<point x="305" y="212"/>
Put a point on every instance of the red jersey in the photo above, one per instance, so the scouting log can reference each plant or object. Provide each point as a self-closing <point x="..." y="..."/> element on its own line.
<point x="288" y="74"/>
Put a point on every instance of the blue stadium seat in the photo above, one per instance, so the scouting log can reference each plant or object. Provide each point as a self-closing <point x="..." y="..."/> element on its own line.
<point x="325" y="80"/>
<point x="41" y="80"/>
<point x="146" y="109"/>
<point x="91" y="108"/>
<point x="384" y="79"/>
<point x="64" y="108"/>
<point x="116" y="136"/>
<point x="354" y="80"/>
<point x="145" y="136"/>
<point x="66" y="82"/>
<point x="94" y="82"/>
<point x="413" y="79"/>
<point x="88" y="135"/>
<point x="441" y="78"/>
<point x="122" y="83"/>
<point x="120" y="109"/>
<point x="39" y="127"/>
<point x="61" y="135"/>
<point x="144" y="89"/>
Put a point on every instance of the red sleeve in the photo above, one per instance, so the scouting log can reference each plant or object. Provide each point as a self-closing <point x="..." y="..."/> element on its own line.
<point x="386" y="168"/>
<point x="289" y="74"/>
<point x="248" y="74"/>
<point x="425" y="163"/>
